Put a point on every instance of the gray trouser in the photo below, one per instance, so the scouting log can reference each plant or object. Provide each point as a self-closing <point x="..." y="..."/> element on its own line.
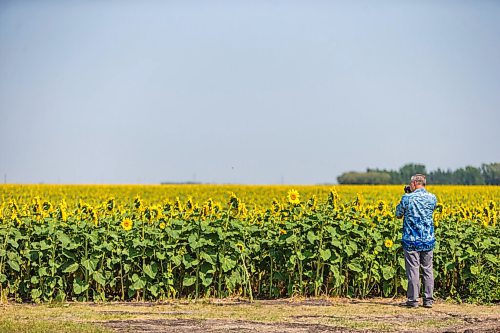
<point x="413" y="261"/>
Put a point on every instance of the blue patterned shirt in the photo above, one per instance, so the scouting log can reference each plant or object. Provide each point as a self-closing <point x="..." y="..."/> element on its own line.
<point x="418" y="227"/>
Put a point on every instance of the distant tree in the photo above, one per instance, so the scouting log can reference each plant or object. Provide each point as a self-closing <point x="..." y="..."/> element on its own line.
<point x="408" y="170"/>
<point x="440" y="177"/>
<point x="364" y="178"/>
<point x="468" y="176"/>
<point x="394" y="177"/>
<point x="491" y="173"/>
<point x="487" y="174"/>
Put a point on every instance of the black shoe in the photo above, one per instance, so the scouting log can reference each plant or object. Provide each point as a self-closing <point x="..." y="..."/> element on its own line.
<point x="428" y="305"/>
<point x="409" y="305"/>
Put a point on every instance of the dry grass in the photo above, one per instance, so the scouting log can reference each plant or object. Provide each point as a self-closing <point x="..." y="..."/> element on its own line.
<point x="288" y="315"/>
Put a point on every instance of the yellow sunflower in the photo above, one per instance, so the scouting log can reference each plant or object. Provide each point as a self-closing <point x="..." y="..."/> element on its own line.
<point x="162" y="225"/>
<point x="127" y="224"/>
<point x="294" y="197"/>
<point x="388" y="243"/>
<point x="240" y="247"/>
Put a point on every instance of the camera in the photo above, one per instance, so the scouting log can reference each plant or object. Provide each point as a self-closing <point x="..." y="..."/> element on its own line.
<point x="407" y="189"/>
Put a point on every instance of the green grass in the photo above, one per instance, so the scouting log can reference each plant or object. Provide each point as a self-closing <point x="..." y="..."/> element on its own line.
<point x="46" y="326"/>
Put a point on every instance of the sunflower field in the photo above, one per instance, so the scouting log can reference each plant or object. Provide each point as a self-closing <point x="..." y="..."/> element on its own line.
<point x="103" y="242"/>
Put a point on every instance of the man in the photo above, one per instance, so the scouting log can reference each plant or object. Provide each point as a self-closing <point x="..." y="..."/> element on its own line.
<point x="417" y="207"/>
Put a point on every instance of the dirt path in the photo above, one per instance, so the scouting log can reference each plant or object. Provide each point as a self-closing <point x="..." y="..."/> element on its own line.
<point x="304" y="316"/>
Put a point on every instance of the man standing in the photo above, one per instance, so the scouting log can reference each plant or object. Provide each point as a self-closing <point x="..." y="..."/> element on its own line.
<point x="417" y="207"/>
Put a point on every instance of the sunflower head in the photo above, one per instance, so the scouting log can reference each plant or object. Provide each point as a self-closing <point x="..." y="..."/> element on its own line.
<point x="189" y="204"/>
<point x="110" y="205"/>
<point x="388" y="243"/>
<point x="276" y="207"/>
<point x="137" y="202"/>
<point x="178" y="205"/>
<point x="240" y="247"/>
<point x="62" y="214"/>
<point x="333" y="197"/>
<point x="127" y="224"/>
<point x="312" y="202"/>
<point x="234" y="201"/>
<point x="36" y="206"/>
<point x="94" y="217"/>
<point x="162" y="225"/>
<point x="293" y="197"/>
<point x="381" y="205"/>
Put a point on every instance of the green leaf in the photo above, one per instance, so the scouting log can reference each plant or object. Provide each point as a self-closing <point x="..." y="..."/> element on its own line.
<point x="348" y="251"/>
<point x="325" y="254"/>
<point x="42" y="271"/>
<point x="356" y="267"/>
<point x="388" y="272"/>
<point x="13" y="243"/>
<point x="330" y="230"/>
<point x="311" y="237"/>
<point x="336" y="243"/>
<point x="193" y="242"/>
<point x="336" y="274"/>
<point x="208" y="258"/>
<point x="474" y="270"/>
<point x="401" y="262"/>
<point x="140" y="283"/>
<point x="450" y="265"/>
<point x="153" y="289"/>
<point x="206" y="280"/>
<point x="291" y="238"/>
<point x="44" y="245"/>
<point x="160" y="255"/>
<point x="71" y="268"/>
<point x="151" y="270"/>
<point x="189" y="261"/>
<point x="13" y="256"/>
<point x="227" y="264"/>
<point x="99" y="278"/>
<point x="80" y="286"/>
<point x="90" y="264"/>
<point x="234" y="279"/>
<point x="177" y="260"/>
<point x="188" y="281"/>
<point x="14" y="265"/>
<point x="35" y="294"/>
<point x="353" y="246"/>
<point x="64" y="239"/>
<point x="404" y="283"/>
<point x="491" y="258"/>
<point x="387" y="288"/>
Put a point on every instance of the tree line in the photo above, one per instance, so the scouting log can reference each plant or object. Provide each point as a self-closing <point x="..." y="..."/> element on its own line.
<point x="487" y="174"/>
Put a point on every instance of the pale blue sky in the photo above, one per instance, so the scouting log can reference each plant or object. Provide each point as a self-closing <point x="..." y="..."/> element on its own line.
<point x="244" y="91"/>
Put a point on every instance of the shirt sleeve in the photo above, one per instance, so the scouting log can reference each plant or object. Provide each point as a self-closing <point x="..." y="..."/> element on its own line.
<point x="401" y="207"/>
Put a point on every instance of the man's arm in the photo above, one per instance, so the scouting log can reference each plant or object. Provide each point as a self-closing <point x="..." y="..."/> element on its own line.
<point x="401" y="207"/>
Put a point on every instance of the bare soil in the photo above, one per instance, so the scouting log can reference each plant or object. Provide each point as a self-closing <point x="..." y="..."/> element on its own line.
<point x="308" y="315"/>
